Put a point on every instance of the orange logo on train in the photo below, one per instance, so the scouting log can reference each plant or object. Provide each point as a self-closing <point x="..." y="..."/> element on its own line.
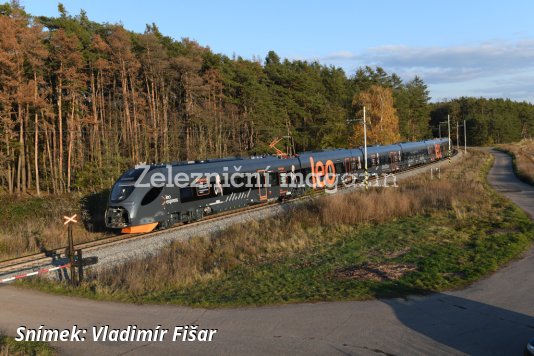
<point x="322" y="173"/>
<point x="438" y="150"/>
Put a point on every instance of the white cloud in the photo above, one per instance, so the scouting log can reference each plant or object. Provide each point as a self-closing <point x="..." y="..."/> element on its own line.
<point x="505" y="61"/>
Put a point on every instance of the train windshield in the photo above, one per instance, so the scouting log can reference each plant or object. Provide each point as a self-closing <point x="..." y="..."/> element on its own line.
<point x="125" y="185"/>
<point x="120" y="192"/>
<point x="131" y="175"/>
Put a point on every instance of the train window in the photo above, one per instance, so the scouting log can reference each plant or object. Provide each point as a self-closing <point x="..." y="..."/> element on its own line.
<point x="132" y="174"/>
<point x="339" y="168"/>
<point x="273" y="179"/>
<point x="374" y="160"/>
<point x="120" y="192"/>
<point x="243" y="182"/>
<point x="284" y="181"/>
<point x="151" y="195"/>
<point x="394" y="156"/>
<point x="203" y="187"/>
<point x="187" y="194"/>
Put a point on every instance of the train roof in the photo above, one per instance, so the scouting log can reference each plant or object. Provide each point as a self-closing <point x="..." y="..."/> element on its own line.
<point x="237" y="165"/>
<point x="274" y="163"/>
<point x="334" y="155"/>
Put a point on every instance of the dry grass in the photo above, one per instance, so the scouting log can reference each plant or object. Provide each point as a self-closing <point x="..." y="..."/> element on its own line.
<point x="523" y="153"/>
<point x="427" y="235"/>
<point x="31" y="224"/>
<point x="306" y="227"/>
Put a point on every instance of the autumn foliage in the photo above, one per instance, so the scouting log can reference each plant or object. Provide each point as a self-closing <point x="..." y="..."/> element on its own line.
<point x="80" y="102"/>
<point x="381" y="117"/>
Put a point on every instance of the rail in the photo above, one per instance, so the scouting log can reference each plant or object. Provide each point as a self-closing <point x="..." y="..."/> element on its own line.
<point x="41" y="259"/>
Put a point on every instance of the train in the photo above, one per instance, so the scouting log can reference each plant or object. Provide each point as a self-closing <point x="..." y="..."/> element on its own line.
<point x="157" y="196"/>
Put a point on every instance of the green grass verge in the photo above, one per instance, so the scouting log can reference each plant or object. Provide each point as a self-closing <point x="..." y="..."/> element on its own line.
<point x="8" y="346"/>
<point x="519" y="173"/>
<point x="435" y="251"/>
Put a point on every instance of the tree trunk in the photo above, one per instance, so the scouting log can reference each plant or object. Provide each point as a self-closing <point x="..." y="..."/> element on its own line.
<point x="70" y="129"/>
<point x="36" y="141"/>
<point x="60" y="127"/>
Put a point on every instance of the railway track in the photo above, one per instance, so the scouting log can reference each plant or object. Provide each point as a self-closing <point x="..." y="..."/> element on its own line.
<point x="41" y="259"/>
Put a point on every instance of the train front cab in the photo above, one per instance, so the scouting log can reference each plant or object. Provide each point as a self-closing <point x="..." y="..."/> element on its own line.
<point x="131" y="206"/>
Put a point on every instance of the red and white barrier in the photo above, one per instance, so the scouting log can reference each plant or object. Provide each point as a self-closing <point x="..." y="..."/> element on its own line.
<point x="46" y="270"/>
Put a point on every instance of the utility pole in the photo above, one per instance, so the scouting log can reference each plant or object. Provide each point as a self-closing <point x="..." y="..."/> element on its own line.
<point x="457" y="137"/>
<point x="449" y="128"/>
<point x="366" y="175"/>
<point x="465" y="138"/>
<point x="365" y="149"/>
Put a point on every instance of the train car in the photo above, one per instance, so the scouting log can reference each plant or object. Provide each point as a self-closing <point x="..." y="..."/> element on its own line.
<point x="320" y="169"/>
<point x="159" y="195"/>
<point x="383" y="159"/>
<point x="162" y="195"/>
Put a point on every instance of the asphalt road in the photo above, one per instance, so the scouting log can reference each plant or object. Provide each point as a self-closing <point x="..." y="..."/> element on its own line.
<point x="494" y="316"/>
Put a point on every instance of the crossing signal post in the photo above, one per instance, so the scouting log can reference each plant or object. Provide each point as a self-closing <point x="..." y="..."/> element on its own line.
<point x="70" y="247"/>
<point x="75" y="257"/>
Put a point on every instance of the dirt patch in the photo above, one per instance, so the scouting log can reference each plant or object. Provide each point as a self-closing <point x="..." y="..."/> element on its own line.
<point x="398" y="253"/>
<point x="375" y="271"/>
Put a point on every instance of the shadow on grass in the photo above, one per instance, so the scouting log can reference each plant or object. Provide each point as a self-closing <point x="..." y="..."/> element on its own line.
<point x="94" y="207"/>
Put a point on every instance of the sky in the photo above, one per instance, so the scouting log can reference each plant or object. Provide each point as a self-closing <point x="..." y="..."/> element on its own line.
<point x="459" y="48"/>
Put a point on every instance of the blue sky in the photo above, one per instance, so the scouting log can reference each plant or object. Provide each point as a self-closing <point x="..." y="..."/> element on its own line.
<point x="471" y="48"/>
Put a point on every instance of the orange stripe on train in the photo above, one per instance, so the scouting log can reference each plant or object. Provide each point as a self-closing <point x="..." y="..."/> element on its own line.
<point x="139" y="228"/>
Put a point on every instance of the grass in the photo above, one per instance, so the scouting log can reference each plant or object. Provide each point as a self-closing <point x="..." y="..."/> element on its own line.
<point x="427" y="235"/>
<point x="523" y="159"/>
<point x="31" y="224"/>
<point x="8" y="346"/>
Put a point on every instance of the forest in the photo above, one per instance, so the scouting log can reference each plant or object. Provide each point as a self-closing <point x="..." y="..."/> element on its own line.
<point x="82" y="101"/>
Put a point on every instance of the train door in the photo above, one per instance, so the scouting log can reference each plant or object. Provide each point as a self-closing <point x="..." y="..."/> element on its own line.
<point x="349" y="170"/>
<point x="262" y="184"/>
<point x="394" y="158"/>
<point x="348" y="165"/>
<point x="282" y="178"/>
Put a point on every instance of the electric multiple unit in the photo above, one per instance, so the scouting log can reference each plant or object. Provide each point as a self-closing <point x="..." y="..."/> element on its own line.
<point x="160" y="195"/>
